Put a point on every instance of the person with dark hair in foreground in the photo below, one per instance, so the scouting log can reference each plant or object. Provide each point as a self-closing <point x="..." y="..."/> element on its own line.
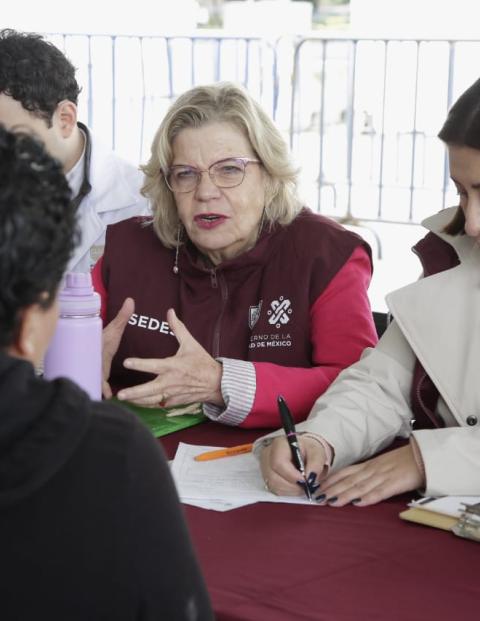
<point x="90" y="523"/>
<point x="39" y="91"/>
<point x="421" y="381"/>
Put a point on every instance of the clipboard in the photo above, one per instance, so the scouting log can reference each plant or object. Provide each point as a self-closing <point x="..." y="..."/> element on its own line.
<point x="447" y="513"/>
<point x="429" y="518"/>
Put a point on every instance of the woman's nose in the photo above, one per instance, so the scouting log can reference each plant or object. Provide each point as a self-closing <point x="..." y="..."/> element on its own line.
<point x="472" y="218"/>
<point x="206" y="188"/>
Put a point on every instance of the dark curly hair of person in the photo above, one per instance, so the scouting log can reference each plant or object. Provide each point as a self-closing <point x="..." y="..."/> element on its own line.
<point x="35" y="73"/>
<point x="37" y="228"/>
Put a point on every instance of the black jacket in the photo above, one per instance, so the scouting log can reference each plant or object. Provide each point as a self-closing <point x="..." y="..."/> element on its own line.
<point x="90" y="524"/>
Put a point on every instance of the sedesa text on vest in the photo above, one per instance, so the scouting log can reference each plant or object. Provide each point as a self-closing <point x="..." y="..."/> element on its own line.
<point x="150" y="323"/>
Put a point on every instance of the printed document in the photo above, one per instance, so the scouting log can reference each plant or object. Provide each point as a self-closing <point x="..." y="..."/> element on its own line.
<point x="222" y="484"/>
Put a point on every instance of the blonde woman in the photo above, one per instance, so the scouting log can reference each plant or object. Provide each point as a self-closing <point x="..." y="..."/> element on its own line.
<point x="272" y="297"/>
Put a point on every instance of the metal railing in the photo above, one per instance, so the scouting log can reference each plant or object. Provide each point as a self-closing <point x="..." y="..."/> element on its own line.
<point x="129" y="81"/>
<point x="361" y="115"/>
<point x="377" y="106"/>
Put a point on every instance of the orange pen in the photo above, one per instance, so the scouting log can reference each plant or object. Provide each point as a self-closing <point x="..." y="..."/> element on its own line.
<point x="225" y="452"/>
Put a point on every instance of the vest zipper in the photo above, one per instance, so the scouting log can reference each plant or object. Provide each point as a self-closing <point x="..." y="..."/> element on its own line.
<point x="220" y="280"/>
<point x="213" y="278"/>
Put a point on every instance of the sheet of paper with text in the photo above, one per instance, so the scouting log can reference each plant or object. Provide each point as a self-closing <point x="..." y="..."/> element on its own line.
<point x="222" y="484"/>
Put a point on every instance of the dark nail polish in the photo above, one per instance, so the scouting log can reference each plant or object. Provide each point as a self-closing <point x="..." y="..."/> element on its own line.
<point x="332" y="500"/>
<point x="355" y="500"/>
<point x="313" y="488"/>
<point x="311" y="478"/>
<point x="320" y="497"/>
<point x="302" y="484"/>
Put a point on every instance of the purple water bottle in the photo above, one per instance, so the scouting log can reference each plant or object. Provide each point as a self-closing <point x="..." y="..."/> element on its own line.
<point x="76" y="348"/>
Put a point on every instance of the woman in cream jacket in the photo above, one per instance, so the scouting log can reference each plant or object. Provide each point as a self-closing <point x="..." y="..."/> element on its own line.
<point x="421" y="380"/>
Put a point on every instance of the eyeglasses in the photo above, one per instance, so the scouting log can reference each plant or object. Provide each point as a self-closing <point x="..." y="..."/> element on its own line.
<point x="226" y="173"/>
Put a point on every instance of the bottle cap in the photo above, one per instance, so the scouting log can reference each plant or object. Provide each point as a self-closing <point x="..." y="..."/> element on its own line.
<point x="77" y="296"/>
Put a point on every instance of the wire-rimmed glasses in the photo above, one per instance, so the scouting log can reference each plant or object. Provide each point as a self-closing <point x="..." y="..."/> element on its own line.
<point x="226" y="173"/>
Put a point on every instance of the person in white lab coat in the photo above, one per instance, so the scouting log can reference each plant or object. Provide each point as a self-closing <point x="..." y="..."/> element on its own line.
<point x="39" y="92"/>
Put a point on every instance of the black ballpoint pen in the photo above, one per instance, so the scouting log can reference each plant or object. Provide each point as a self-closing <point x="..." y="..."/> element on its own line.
<point x="289" y="427"/>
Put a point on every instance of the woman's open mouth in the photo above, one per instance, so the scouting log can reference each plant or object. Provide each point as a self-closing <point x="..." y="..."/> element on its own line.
<point x="209" y="220"/>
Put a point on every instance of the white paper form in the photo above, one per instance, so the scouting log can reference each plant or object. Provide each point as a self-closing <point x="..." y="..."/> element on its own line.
<point x="216" y="505"/>
<point x="232" y="480"/>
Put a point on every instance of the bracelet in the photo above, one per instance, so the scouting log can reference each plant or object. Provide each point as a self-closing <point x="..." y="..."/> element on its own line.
<point x="326" y="446"/>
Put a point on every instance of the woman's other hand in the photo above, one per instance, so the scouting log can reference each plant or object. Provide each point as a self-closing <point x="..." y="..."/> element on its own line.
<point x="374" y="480"/>
<point x="189" y="376"/>
<point x="280" y="475"/>
<point x="112" y="335"/>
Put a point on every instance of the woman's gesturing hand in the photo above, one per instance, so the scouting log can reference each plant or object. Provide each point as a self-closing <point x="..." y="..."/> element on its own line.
<point x="280" y="475"/>
<point x="191" y="375"/>
<point x="374" y="480"/>
<point x="112" y="335"/>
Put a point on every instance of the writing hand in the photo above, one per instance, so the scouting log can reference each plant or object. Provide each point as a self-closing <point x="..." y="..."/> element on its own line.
<point x="280" y="475"/>
<point x="112" y="335"/>
<point x="379" y="478"/>
<point x="189" y="376"/>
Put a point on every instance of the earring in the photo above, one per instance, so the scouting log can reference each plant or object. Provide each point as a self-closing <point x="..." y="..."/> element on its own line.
<point x="177" y="249"/>
<point x="262" y="222"/>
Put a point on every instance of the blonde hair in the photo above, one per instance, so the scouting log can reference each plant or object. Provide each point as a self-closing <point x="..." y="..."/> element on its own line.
<point x="222" y="102"/>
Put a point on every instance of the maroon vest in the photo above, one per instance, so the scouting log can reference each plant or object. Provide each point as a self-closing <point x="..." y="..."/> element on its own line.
<point x="255" y="307"/>
<point x="436" y="256"/>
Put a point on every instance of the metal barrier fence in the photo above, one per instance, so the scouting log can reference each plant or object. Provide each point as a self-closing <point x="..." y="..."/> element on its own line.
<point x="129" y="81"/>
<point x="361" y="115"/>
<point x="368" y="113"/>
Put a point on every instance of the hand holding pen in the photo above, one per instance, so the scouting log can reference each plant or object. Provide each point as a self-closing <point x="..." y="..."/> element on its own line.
<point x="289" y="428"/>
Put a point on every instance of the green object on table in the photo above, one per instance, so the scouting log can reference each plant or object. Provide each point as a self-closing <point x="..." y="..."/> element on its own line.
<point x="157" y="421"/>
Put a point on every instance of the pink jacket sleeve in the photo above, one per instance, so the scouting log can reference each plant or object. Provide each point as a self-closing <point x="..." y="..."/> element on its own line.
<point x="341" y="327"/>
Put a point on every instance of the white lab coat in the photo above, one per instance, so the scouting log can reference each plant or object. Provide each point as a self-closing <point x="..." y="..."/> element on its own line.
<point x="115" y="196"/>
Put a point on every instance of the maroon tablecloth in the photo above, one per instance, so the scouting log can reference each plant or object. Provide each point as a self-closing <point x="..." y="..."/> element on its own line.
<point x="278" y="562"/>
